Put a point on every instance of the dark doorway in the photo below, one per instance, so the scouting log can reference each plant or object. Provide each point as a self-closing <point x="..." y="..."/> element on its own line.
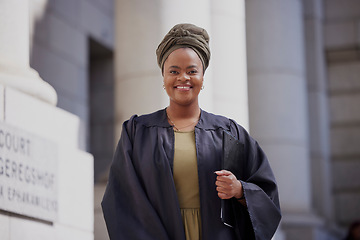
<point x="101" y="104"/>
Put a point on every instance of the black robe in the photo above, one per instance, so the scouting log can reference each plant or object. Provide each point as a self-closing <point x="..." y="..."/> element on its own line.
<point x="140" y="201"/>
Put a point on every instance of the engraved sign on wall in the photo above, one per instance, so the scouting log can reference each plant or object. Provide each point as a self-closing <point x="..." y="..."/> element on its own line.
<point x="28" y="174"/>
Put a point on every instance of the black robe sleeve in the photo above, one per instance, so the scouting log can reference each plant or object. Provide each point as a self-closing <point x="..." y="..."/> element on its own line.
<point x="260" y="218"/>
<point x="127" y="211"/>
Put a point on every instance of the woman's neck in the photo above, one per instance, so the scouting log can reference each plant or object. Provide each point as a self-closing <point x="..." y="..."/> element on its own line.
<point x="183" y="118"/>
<point x="183" y="112"/>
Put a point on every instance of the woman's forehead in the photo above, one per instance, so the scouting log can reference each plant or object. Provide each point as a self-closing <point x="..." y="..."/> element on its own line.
<point x="183" y="56"/>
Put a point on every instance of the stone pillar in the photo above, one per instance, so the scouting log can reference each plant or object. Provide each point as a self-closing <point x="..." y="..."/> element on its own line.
<point x="138" y="84"/>
<point x="278" y="105"/>
<point x="229" y="60"/>
<point x="319" y="125"/>
<point x="277" y="95"/>
<point x="15" y="70"/>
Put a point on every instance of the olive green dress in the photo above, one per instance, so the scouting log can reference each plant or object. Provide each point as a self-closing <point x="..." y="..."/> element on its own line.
<point x="187" y="184"/>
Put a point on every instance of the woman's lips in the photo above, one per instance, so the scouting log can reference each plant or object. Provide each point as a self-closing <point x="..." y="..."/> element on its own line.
<point x="183" y="87"/>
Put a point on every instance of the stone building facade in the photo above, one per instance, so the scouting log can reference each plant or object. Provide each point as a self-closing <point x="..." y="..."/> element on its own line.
<point x="287" y="70"/>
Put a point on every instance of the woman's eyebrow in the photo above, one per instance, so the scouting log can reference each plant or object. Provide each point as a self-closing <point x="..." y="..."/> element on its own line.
<point x="177" y="67"/>
<point x="192" y="66"/>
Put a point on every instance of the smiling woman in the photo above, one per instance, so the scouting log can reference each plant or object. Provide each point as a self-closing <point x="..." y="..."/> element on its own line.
<point x="167" y="181"/>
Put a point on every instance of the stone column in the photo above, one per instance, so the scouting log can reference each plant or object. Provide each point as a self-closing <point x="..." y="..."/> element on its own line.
<point x="278" y="104"/>
<point x="138" y="84"/>
<point x="318" y="109"/>
<point x="229" y="60"/>
<point x="15" y="70"/>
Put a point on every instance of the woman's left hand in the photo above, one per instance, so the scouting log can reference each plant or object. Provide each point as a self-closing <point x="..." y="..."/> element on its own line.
<point x="227" y="185"/>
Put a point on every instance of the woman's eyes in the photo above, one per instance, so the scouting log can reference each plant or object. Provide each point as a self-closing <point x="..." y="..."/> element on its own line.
<point x="189" y="72"/>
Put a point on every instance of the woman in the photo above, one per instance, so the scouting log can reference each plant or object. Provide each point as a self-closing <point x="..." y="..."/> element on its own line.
<point x="166" y="180"/>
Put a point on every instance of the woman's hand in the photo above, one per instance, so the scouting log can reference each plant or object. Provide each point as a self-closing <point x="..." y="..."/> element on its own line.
<point x="227" y="185"/>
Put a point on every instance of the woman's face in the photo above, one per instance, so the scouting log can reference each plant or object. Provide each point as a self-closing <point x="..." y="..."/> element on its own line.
<point x="183" y="76"/>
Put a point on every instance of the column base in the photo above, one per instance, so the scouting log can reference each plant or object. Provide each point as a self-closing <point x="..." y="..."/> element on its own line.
<point x="28" y="81"/>
<point x="299" y="226"/>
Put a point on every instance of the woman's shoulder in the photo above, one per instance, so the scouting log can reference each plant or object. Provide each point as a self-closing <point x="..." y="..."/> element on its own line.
<point x="215" y="121"/>
<point x="211" y="120"/>
<point x="157" y="118"/>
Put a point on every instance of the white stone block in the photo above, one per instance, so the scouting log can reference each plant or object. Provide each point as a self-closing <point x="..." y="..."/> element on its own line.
<point x="347" y="206"/>
<point x="340" y="34"/>
<point x="346" y="174"/>
<point x="76" y="189"/>
<point x="345" y="141"/>
<point x="2" y="103"/>
<point x="39" y="118"/>
<point x="63" y="232"/>
<point x="81" y="110"/>
<point x="4" y="226"/>
<point x="345" y="108"/>
<point x="28" y="229"/>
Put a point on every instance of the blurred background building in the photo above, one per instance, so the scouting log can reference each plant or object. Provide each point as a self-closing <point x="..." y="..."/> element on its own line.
<point x="287" y="70"/>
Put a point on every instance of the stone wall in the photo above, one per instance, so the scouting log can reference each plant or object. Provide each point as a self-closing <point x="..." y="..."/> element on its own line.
<point x="60" y="32"/>
<point x="342" y="40"/>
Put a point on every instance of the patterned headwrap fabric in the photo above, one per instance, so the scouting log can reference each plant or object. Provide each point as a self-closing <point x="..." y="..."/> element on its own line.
<point x="185" y="36"/>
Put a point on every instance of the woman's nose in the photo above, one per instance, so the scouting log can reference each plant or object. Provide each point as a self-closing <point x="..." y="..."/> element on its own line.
<point x="184" y="77"/>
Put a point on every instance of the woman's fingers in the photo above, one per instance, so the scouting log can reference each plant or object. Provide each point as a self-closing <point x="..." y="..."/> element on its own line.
<point x="223" y="173"/>
<point x="227" y="185"/>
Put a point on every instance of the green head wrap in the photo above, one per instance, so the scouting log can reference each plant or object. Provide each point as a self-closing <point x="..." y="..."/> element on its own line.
<point x="185" y="36"/>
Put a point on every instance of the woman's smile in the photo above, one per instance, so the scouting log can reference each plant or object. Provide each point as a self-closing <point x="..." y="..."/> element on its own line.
<point x="183" y="87"/>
